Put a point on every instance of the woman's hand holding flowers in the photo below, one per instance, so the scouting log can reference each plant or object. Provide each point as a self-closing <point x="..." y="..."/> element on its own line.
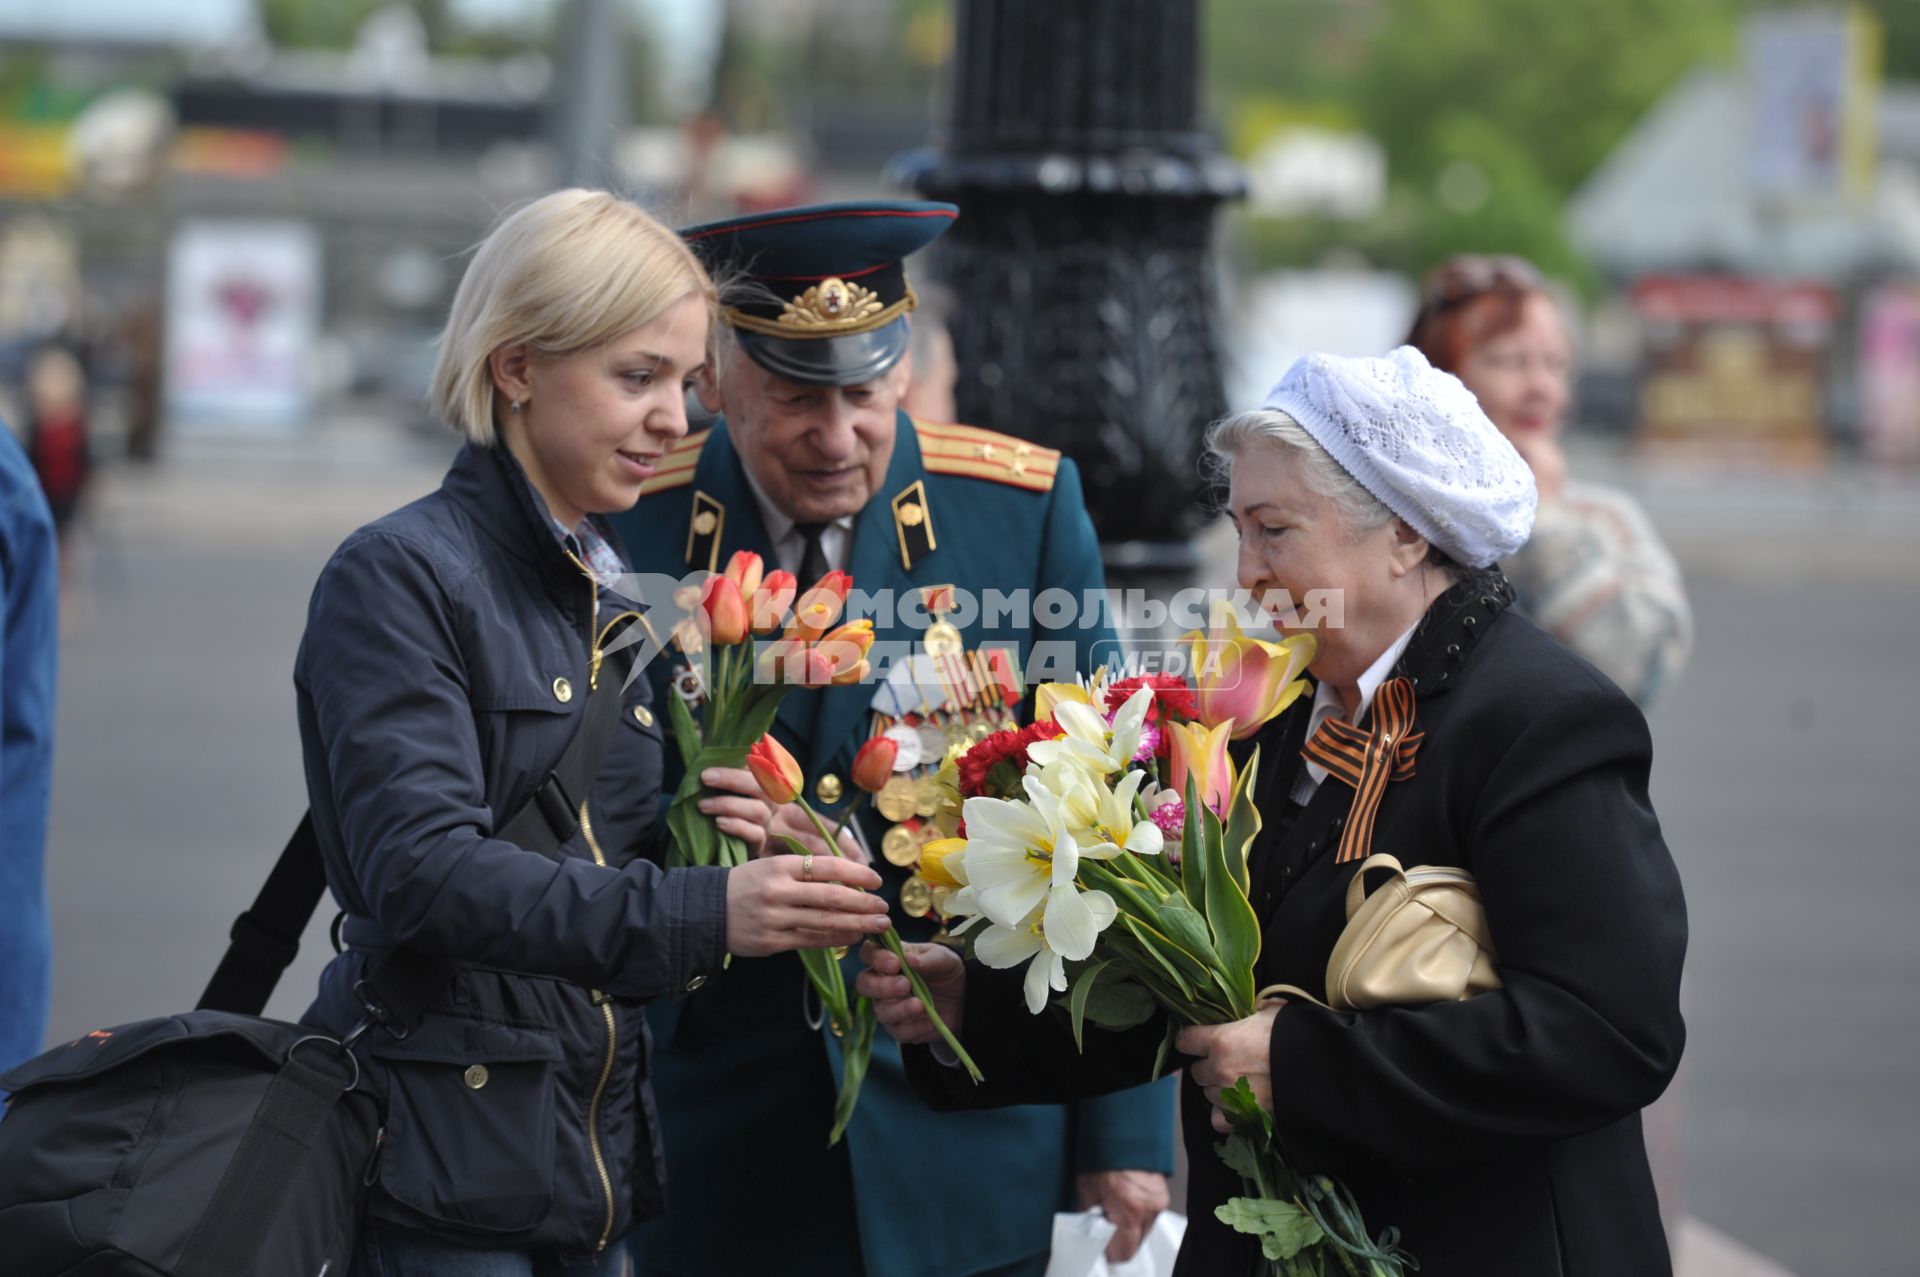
<point x="1225" y="1053"/>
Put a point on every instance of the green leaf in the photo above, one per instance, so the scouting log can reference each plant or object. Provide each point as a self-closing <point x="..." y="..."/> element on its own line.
<point x="1242" y="1154"/>
<point x="1244" y="1112"/>
<point x="1284" y="1229"/>
<point x="1193" y="866"/>
<point x="1231" y="920"/>
<point x="1120" y="1003"/>
<point x="1166" y="1049"/>
<point x="857" y="1052"/>
<point x="686" y="735"/>
<point x="1160" y="949"/>
<point x="1077" y="1000"/>
<point x="1243" y="820"/>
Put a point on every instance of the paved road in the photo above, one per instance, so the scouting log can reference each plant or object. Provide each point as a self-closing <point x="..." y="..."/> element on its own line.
<point x="1787" y="781"/>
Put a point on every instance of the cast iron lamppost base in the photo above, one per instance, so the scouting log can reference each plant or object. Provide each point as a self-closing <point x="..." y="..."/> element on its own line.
<point x="1080" y="268"/>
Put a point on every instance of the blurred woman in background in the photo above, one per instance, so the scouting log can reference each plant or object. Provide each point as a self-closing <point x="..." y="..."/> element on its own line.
<point x="1594" y="574"/>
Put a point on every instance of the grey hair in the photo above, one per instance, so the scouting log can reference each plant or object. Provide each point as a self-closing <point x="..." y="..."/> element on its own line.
<point x="1324" y="476"/>
<point x="1231" y="436"/>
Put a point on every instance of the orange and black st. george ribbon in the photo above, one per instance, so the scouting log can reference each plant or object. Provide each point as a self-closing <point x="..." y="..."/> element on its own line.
<point x="1368" y="760"/>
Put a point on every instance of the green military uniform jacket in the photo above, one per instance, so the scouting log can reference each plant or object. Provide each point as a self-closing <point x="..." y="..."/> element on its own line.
<point x="745" y="1088"/>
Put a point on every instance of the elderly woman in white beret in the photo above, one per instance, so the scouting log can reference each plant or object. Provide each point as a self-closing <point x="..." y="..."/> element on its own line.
<point x="1499" y="1134"/>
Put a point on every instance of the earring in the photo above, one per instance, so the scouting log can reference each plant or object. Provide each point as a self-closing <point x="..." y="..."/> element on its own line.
<point x="515" y="405"/>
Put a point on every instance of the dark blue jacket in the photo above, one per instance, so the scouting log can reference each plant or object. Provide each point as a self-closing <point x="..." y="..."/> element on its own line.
<point x="29" y="636"/>
<point x="444" y="670"/>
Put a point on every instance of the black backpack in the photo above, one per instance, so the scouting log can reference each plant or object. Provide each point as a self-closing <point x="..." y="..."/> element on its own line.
<point x="217" y="1143"/>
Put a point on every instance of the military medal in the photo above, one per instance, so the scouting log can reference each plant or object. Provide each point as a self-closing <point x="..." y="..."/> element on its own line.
<point x="942" y="637"/>
<point x="907" y="741"/>
<point x="897" y="799"/>
<point x="916" y="897"/>
<point x="901" y="846"/>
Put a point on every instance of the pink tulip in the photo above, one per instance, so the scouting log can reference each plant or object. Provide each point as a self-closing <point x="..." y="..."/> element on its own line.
<point x="1200" y="752"/>
<point x="1246" y="682"/>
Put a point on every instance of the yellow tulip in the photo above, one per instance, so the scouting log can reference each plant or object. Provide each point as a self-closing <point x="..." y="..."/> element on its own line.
<point x="1245" y="682"/>
<point x="1049" y="695"/>
<point x="940" y="862"/>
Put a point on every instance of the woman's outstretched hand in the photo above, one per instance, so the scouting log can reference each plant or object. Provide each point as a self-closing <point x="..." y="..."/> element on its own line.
<point x="895" y="1008"/>
<point x="801" y="902"/>
<point x="1225" y="1053"/>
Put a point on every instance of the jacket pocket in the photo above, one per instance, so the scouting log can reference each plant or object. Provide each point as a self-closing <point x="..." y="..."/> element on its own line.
<point x="471" y="1116"/>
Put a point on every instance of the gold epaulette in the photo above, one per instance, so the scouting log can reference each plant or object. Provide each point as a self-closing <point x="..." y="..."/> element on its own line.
<point x="986" y="454"/>
<point x="677" y="466"/>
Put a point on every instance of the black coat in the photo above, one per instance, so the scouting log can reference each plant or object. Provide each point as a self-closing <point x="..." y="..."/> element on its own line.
<point x="1501" y="1135"/>
<point x="430" y="710"/>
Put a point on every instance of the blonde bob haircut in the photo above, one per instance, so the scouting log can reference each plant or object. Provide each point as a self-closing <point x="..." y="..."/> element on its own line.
<point x="571" y="271"/>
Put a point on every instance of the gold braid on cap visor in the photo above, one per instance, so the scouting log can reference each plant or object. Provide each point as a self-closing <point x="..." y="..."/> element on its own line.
<point x="831" y="308"/>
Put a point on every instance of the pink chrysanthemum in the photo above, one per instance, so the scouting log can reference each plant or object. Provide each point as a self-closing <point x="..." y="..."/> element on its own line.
<point x="1172" y="818"/>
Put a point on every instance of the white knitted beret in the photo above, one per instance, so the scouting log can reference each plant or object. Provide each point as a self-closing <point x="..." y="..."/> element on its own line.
<point x="1416" y="439"/>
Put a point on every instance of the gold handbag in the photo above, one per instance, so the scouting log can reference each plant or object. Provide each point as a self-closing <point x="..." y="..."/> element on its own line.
<point x="1420" y="937"/>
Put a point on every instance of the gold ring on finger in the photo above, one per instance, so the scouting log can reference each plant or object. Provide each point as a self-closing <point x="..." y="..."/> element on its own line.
<point x="806" y="865"/>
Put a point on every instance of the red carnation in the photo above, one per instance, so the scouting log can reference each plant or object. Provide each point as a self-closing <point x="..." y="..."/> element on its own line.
<point x="980" y="767"/>
<point x="1172" y="698"/>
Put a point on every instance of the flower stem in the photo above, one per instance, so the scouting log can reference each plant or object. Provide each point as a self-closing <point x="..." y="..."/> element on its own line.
<point x="891" y="938"/>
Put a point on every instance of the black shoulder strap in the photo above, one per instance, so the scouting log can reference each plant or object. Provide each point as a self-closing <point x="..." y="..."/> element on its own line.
<point x="265" y="938"/>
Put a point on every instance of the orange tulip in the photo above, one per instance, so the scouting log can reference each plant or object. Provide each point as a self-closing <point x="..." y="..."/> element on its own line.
<point x="726" y="610"/>
<point x="820" y="606"/>
<point x="777" y="771"/>
<point x="744" y="570"/>
<point x="859" y="672"/>
<point x="771" y="601"/>
<point x="847" y="645"/>
<point x="1201" y="752"/>
<point x="873" y="763"/>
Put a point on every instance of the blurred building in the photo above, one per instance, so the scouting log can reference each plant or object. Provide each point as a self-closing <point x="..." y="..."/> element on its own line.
<point x="1763" y="227"/>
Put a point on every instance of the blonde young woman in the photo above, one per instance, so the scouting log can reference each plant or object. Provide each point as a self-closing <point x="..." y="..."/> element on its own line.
<point x="447" y="660"/>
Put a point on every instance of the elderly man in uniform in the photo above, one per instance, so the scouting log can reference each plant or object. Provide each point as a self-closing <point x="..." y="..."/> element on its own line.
<point x="813" y="466"/>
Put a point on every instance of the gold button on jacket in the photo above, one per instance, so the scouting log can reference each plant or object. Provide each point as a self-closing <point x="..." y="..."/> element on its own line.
<point x="562" y="690"/>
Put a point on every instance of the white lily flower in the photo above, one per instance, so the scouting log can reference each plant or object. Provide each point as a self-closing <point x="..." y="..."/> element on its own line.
<point x="1063" y="929"/>
<point x="1014" y="850"/>
<point x="1115" y="829"/>
<point x="1089" y="742"/>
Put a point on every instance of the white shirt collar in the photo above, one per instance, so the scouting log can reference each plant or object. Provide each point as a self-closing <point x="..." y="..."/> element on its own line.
<point x="1327" y="704"/>
<point x="788" y="543"/>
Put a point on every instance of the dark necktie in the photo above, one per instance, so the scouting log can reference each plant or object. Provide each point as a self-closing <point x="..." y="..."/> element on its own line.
<point x="813" y="556"/>
<point x="1368" y="760"/>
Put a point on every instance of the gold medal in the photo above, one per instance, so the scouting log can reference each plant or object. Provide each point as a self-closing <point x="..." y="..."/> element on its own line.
<point x="943" y="639"/>
<point x="929" y="797"/>
<point x="916" y="897"/>
<point x="897" y="798"/>
<point x="901" y="846"/>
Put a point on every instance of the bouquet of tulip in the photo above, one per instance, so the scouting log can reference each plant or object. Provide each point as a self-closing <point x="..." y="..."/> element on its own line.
<point x="851" y="1018"/>
<point x="744" y="688"/>
<point x="1113" y="834"/>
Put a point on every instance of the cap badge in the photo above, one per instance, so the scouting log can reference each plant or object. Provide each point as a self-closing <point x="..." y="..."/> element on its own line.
<point x="831" y="303"/>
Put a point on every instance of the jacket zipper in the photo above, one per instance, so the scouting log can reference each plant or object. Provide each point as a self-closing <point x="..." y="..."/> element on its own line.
<point x="606" y="1066"/>
<point x="600" y="999"/>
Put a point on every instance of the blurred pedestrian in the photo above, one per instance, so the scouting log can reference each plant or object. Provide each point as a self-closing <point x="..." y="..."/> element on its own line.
<point x="57" y="439"/>
<point x="451" y="650"/>
<point x="29" y="636"/>
<point x="1594" y="574"/>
